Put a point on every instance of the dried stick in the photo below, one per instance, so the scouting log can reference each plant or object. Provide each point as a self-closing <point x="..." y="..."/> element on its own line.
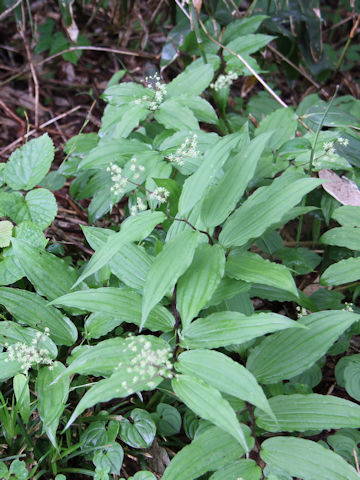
<point x="43" y="125"/>
<point x="9" y="10"/>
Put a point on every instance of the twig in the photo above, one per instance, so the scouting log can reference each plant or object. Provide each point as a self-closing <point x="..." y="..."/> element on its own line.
<point x="356" y="460"/>
<point x="252" y="71"/>
<point x="43" y="125"/>
<point x="12" y="114"/>
<point x="9" y="10"/>
<point x="33" y="74"/>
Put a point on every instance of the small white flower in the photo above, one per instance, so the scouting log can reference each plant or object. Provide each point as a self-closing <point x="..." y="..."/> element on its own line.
<point x="160" y="194"/>
<point x="224" y="81"/>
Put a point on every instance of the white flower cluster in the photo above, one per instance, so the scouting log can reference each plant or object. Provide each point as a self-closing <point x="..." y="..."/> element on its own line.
<point x="139" y="207"/>
<point x="301" y="311"/>
<point x="187" y="150"/>
<point x="28" y="355"/>
<point x="159" y="92"/>
<point x="348" y="307"/>
<point x="224" y="81"/>
<point x="119" y="180"/>
<point x="146" y="363"/>
<point x="160" y="194"/>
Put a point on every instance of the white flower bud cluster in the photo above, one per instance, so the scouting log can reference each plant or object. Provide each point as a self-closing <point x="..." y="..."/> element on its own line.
<point x="159" y="88"/>
<point x="139" y="207"/>
<point x="160" y="194"/>
<point x="187" y="150"/>
<point x="329" y="148"/>
<point x="348" y="307"/>
<point x="343" y="141"/>
<point x="146" y="363"/>
<point x="301" y="311"/>
<point x="29" y="355"/>
<point x="224" y="81"/>
<point x="119" y="180"/>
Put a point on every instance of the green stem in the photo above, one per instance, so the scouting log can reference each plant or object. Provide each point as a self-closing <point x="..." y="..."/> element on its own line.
<point x="311" y="161"/>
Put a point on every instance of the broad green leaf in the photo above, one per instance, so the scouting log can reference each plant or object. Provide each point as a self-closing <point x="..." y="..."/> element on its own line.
<point x="125" y="93"/>
<point x="31" y="309"/>
<point x="243" y="26"/>
<point x="99" y="324"/>
<point x="342" y="364"/>
<point x="309" y="412"/>
<point x="306" y="459"/>
<point x="352" y="380"/>
<point x="347" y="216"/>
<point x="228" y="328"/>
<point x="196" y="185"/>
<point x="201" y="108"/>
<point x="168" y="420"/>
<point x="264" y="208"/>
<point x="130" y="264"/>
<point x="29" y="164"/>
<point x="110" y="458"/>
<point x="31" y="233"/>
<point x="12" y="205"/>
<point x="42" y="207"/>
<point x="183" y="119"/>
<point x="81" y="143"/>
<point x="119" y="121"/>
<point x="207" y="402"/>
<point x="199" y="282"/>
<point x="104" y="358"/>
<point x="283" y="124"/>
<point x="51" y="398"/>
<point x="245" y="469"/>
<point x="250" y="267"/>
<point x="168" y="266"/>
<point x="134" y="229"/>
<point x="191" y="81"/>
<point x="122" y="303"/>
<point x="227" y="289"/>
<point x="286" y="354"/>
<point x="22" y="395"/>
<point x="12" y="333"/>
<point x="51" y="276"/>
<point x="119" y="385"/>
<point x="6" y="229"/>
<point x="211" y="450"/>
<point x="222" y="198"/>
<point x="8" y="368"/>
<point x="224" y="374"/>
<point x="139" y="432"/>
<point x="342" y="272"/>
<point x="348" y="237"/>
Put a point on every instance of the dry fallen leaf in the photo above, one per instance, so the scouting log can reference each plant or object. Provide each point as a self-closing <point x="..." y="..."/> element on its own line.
<point x="342" y="189"/>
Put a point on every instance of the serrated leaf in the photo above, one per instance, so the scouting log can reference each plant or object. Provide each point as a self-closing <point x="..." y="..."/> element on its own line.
<point x="250" y="267"/>
<point x="140" y="431"/>
<point x="286" y="354"/>
<point x="31" y="309"/>
<point x="6" y="229"/>
<point x="199" y="282"/>
<point x="224" y="374"/>
<point x="168" y="266"/>
<point x="309" y="412"/>
<point x="245" y="469"/>
<point x="42" y="207"/>
<point x="288" y="453"/>
<point x="196" y="185"/>
<point x="342" y="272"/>
<point x="228" y="328"/>
<point x="29" y="164"/>
<point x="342" y="236"/>
<point x="211" y="450"/>
<point x="51" y="398"/>
<point x="121" y="303"/>
<point x="264" y="208"/>
<point x="207" y="402"/>
<point x="134" y="229"/>
<point x="222" y="198"/>
<point x="50" y="275"/>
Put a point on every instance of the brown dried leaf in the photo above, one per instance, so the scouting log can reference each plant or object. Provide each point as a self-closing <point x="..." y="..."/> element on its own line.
<point x="197" y="5"/>
<point x="342" y="189"/>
